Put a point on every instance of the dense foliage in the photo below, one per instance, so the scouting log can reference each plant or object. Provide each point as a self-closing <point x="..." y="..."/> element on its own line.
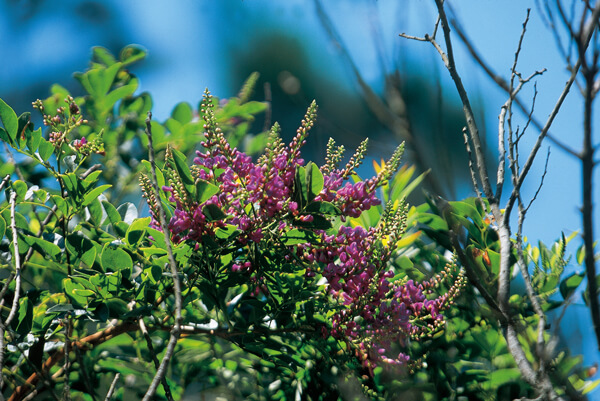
<point x="276" y="278"/>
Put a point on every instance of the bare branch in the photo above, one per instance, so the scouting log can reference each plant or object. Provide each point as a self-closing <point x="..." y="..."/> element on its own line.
<point x="586" y="35"/>
<point x="448" y="60"/>
<point x="471" y="166"/>
<point x="420" y="39"/>
<point x="90" y="170"/>
<point x="112" y="388"/>
<point x="17" y="263"/>
<point x="154" y="358"/>
<point x="176" y="330"/>
<point x="501" y="82"/>
<point x="537" y="192"/>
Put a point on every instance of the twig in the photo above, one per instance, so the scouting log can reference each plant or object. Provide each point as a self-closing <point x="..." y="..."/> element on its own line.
<point x="17" y="262"/>
<point x="587" y="211"/>
<point x="501" y="82"/>
<point x="448" y="59"/>
<point x="67" y="363"/>
<point x="90" y="170"/>
<point x="112" y="387"/>
<point x="471" y="166"/>
<point x="4" y="181"/>
<point x="154" y="358"/>
<point x="529" y="162"/>
<point x="539" y="188"/>
<point x="176" y="330"/>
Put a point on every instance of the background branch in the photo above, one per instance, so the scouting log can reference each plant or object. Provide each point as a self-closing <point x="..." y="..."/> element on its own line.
<point x="176" y="330"/>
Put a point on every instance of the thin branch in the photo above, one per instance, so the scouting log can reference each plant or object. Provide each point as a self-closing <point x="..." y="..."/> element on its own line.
<point x="154" y="358"/>
<point x="176" y="330"/>
<point x="501" y="82"/>
<point x="5" y="180"/>
<point x="448" y="59"/>
<point x="112" y="388"/>
<point x="417" y="38"/>
<point x="90" y="170"/>
<point x="553" y="114"/>
<point x="471" y="166"/>
<point x="68" y="324"/>
<point x="17" y="262"/>
<point x="587" y="210"/>
<point x="539" y="188"/>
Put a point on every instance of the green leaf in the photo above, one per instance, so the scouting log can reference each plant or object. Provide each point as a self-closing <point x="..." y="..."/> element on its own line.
<point x="69" y="288"/>
<point x="9" y="120"/>
<point x="118" y="94"/>
<point x="160" y="178"/>
<point x="61" y="204"/>
<point x="298" y="236"/>
<point x="137" y="230"/>
<point x="228" y="232"/>
<point x="81" y="248"/>
<point x="102" y="55"/>
<point x="183" y="113"/>
<point x="314" y="181"/>
<point x="83" y="292"/>
<point x="213" y="213"/>
<point x="58" y="308"/>
<point x="132" y="53"/>
<point x="503" y="376"/>
<point x="580" y="255"/>
<point x="4" y="136"/>
<point x="96" y="212"/>
<point x="24" y="321"/>
<point x="115" y="259"/>
<point x="326" y="208"/>
<point x="158" y="238"/>
<point x="154" y="273"/>
<point x="300" y="187"/>
<point x="93" y="194"/>
<point x="252" y="107"/>
<point x="2" y="227"/>
<point x="256" y="144"/>
<point x="20" y="189"/>
<point x="43" y="246"/>
<point x="34" y="140"/>
<point x="24" y="128"/>
<point x="111" y="212"/>
<point x="183" y="170"/>
<point x="570" y="284"/>
<point x="45" y="149"/>
<point x="205" y="190"/>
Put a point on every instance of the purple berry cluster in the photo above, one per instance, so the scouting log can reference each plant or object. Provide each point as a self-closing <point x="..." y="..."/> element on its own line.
<point x="265" y="201"/>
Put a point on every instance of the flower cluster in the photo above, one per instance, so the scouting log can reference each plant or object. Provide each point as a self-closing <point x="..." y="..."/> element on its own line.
<point x="378" y="311"/>
<point x="63" y="122"/>
<point x="267" y="200"/>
